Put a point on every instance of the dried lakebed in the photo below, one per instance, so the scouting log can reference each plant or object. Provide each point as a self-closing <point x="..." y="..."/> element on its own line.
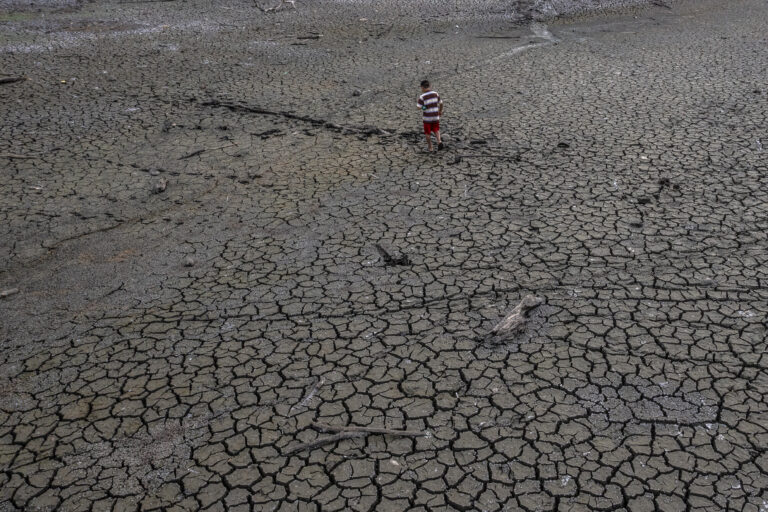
<point x="230" y="279"/>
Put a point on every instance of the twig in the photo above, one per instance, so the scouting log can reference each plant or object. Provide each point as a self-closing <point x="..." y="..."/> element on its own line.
<point x="488" y="156"/>
<point x="368" y="430"/>
<point x="390" y="260"/>
<point x="16" y="156"/>
<point x="348" y="432"/>
<point x="8" y="292"/>
<point x="190" y="155"/>
<point x="322" y="441"/>
<point x="199" y="151"/>
<point x="11" y="79"/>
<point x="517" y="317"/>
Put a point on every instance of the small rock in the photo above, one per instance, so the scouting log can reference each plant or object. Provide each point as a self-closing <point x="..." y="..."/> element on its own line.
<point x="160" y="186"/>
<point x="189" y="261"/>
<point x="371" y="130"/>
<point x="8" y="292"/>
<point x="357" y="92"/>
<point x="563" y="145"/>
<point x="154" y="172"/>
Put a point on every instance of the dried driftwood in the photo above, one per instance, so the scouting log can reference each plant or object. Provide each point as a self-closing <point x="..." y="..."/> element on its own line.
<point x="390" y="260"/>
<point x="517" y="317"/>
<point x="16" y="156"/>
<point x="8" y="292"/>
<point x="322" y="441"/>
<point x="309" y="395"/>
<point x="348" y="432"/>
<point x="368" y="430"/>
<point x="11" y="79"/>
<point x="200" y="151"/>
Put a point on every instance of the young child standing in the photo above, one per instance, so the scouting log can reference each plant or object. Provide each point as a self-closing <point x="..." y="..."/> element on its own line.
<point x="432" y="108"/>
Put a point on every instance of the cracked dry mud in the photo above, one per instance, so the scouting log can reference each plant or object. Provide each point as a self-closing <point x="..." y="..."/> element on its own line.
<point x="198" y="234"/>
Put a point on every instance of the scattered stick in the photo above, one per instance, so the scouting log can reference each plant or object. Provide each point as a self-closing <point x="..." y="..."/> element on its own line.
<point x="488" y="156"/>
<point x="322" y="441"/>
<point x="194" y="153"/>
<point x="8" y="292"/>
<point x="348" y="432"/>
<point x="11" y="79"/>
<point x="368" y="430"/>
<point x="199" y="151"/>
<point x="517" y="317"/>
<point x="16" y="156"/>
<point x="390" y="260"/>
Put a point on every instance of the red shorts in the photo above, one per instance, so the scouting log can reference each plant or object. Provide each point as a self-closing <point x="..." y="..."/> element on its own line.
<point x="431" y="127"/>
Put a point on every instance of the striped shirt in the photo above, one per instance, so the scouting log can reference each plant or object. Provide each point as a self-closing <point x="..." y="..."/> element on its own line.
<point x="432" y="101"/>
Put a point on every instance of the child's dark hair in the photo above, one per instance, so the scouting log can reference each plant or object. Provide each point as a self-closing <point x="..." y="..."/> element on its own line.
<point x="425" y="83"/>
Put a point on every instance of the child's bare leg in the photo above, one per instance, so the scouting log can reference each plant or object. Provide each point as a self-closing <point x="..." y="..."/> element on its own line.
<point x="437" y="134"/>
<point x="429" y="142"/>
